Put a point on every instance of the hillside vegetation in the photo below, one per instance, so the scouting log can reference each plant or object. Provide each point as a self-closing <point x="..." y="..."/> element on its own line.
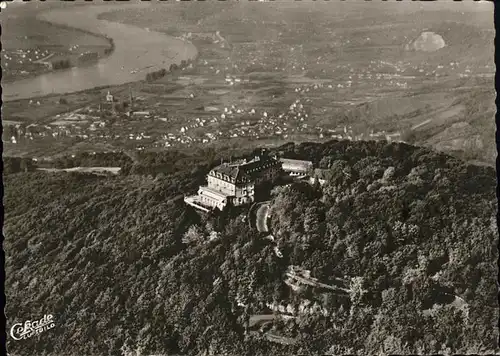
<point x="127" y="269"/>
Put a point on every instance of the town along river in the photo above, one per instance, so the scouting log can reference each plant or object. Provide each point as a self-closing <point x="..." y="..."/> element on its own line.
<point x="136" y="52"/>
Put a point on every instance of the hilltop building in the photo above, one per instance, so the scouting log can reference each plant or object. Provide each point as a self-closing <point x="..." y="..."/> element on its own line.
<point x="235" y="182"/>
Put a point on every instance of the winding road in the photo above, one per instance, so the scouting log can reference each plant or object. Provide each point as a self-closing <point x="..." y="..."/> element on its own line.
<point x="261" y="216"/>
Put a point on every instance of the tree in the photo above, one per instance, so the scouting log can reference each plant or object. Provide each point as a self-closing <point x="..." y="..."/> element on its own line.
<point x="192" y="235"/>
<point x="11" y="165"/>
<point x="27" y="165"/>
<point x="173" y="67"/>
<point x="432" y="272"/>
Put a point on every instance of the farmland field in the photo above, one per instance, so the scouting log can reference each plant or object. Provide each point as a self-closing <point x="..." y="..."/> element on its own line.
<point x="27" y="41"/>
<point x="252" y="178"/>
<point x="376" y="67"/>
<point x="286" y="71"/>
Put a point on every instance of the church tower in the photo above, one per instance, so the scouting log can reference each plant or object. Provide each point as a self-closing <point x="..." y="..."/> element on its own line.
<point x="109" y="97"/>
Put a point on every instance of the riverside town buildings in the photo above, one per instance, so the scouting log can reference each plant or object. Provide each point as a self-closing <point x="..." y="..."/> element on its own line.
<point x="235" y="182"/>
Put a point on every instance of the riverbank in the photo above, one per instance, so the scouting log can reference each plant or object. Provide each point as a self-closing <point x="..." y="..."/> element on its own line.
<point x="107" y="52"/>
<point x="74" y="63"/>
<point x="25" y="34"/>
<point x="134" y="51"/>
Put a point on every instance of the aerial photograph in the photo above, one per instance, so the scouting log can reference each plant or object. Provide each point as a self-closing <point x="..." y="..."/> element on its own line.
<point x="249" y="178"/>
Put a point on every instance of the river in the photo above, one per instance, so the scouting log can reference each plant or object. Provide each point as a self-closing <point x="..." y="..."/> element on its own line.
<point x="137" y="52"/>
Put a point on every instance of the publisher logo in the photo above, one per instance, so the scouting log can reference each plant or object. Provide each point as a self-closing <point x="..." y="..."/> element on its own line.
<point x="29" y="328"/>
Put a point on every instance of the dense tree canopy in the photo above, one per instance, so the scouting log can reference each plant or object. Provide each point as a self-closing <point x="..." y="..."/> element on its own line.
<point x="61" y="64"/>
<point x="419" y="228"/>
<point x="407" y="235"/>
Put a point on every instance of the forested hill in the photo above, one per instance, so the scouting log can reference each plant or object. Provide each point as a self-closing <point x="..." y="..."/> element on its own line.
<point x="126" y="268"/>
